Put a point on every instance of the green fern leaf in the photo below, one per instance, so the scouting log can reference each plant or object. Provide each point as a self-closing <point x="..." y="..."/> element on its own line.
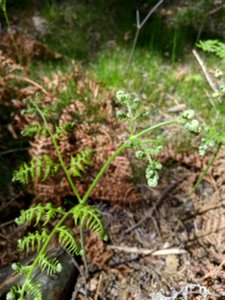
<point x="38" y="213"/>
<point x="78" y="163"/>
<point x="32" y="130"/>
<point x="21" y="269"/>
<point x="32" y="241"/>
<point x="36" y="169"/>
<point x="68" y="242"/>
<point x="26" y="216"/>
<point x="50" y="213"/>
<point x="90" y="218"/>
<point x="213" y="46"/>
<point x="48" y="167"/>
<point x="33" y="289"/>
<point x="15" y="293"/>
<point x="48" y="264"/>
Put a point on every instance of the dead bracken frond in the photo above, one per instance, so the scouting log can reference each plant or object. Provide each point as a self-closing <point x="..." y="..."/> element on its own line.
<point x="99" y="131"/>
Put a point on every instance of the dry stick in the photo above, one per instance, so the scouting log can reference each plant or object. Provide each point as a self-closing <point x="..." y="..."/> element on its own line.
<point x="203" y="67"/>
<point x="202" y="212"/>
<point x="7" y="223"/>
<point x="219" y="145"/>
<point x="139" y="27"/>
<point x="98" y="287"/>
<point x="74" y="295"/>
<point x="29" y="81"/>
<point x="86" y="274"/>
<point x="169" y="251"/>
<point x="13" y="150"/>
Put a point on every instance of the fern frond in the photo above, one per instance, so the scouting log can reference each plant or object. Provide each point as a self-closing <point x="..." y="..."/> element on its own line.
<point x="68" y="241"/>
<point x="22" y="175"/>
<point x="21" y="269"/>
<point x="47" y="111"/>
<point x="50" y="213"/>
<point x="36" y="169"/>
<point x="14" y="293"/>
<point x="48" y="264"/>
<point x="38" y="213"/>
<point x="61" y="129"/>
<point x="90" y="218"/>
<point x="78" y="163"/>
<point x="213" y="46"/>
<point x="49" y="167"/>
<point x="32" y="241"/>
<point x="32" y="130"/>
<point x="33" y="289"/>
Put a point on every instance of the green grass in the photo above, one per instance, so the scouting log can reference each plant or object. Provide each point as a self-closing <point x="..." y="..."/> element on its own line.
<point x="163" y="72"/>
<point x="152" y="75"/>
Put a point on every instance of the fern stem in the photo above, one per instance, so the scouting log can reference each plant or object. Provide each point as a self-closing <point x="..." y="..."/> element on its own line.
<point x="149" y="129"/>
<point x="86" y="196"/>
<point x="102" y="171"/>
<point x="58" y="153"/>
<point x="86" y="272"/>
<point x="118" y="151"/>
<point x="205" y="171"/>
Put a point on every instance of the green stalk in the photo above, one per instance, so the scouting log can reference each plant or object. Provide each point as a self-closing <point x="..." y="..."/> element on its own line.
<point x="4" y="10"/>
<point x="149" y="129"/>
<point x="45" y="245"/>
<point x="58" y="153"/>
<point x="205" y="171"/>
<point x="118" y="151"/>
<point x="102" y="171"/>
<point x="86" y="273"/>
<point x="92" y="186"/>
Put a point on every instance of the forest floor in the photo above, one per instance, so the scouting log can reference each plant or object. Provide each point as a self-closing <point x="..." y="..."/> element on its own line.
<point x="162" y="244"/>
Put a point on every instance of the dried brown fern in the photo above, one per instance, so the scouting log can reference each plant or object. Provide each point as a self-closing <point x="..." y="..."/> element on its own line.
<point x="192" y="160"/>
<point x="95" y="127"/>
<point x="116" y="184"/>
<point x="28" y="47"/>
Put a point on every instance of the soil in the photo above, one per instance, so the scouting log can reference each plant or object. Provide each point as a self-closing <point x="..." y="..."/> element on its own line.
<point x="189" y="235"/>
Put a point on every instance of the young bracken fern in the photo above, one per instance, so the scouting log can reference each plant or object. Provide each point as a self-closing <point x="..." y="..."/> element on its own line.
<point x="85" y="216"/>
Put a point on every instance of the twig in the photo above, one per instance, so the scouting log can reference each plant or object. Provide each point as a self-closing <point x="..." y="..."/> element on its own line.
<point x="98" y="287"/>
<point x="197" y="238"/>
<point x="86" y="274"/>
<point x="74" y="295"/>
<point x="139" y="26"/>
<point x="12" y="150"/>
<point x="20" y="78"/>
<point x="201" y="212"/>
<point x="215" y="10"/>
<point x="7" y="223"/>
<point x="204" y="69"/>
<point x="174" y="251"/>
<point x="213" y="157"/>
